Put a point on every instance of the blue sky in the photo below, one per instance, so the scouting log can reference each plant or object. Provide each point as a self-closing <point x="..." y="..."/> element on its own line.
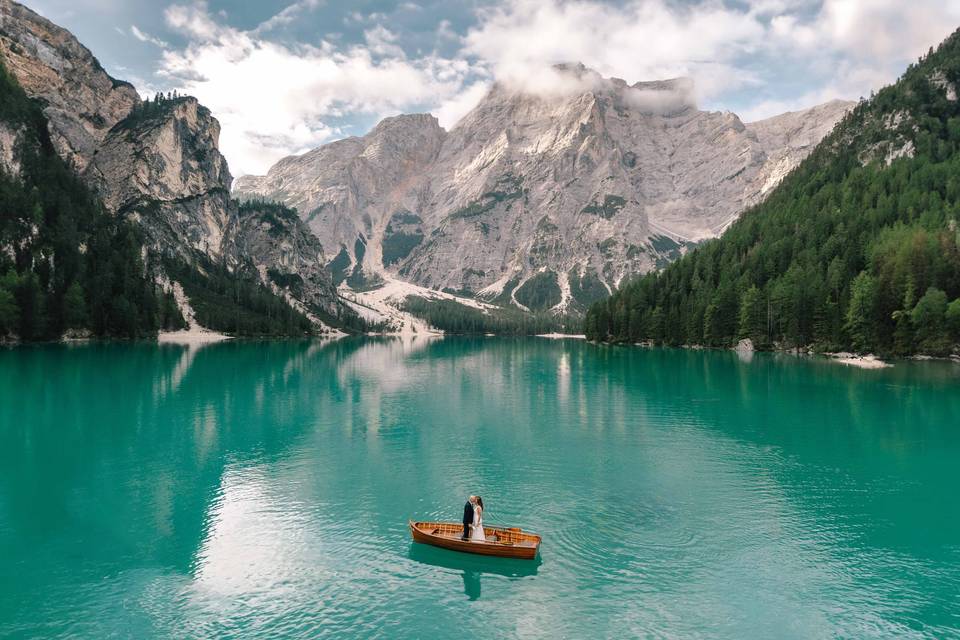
<point x="284" y="76"/>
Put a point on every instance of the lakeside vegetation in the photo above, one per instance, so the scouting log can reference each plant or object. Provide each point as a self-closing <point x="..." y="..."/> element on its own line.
<point x="235" y="303"/>
<point x="858" y="248"/>
<point x="459" y="319"/>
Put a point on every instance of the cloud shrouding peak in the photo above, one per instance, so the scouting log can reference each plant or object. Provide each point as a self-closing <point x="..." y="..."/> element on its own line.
<point x="146" y="37"/>
<point x="833" y="48"/>
<point x="277" y="96"/>
<point x="639" y="41"/>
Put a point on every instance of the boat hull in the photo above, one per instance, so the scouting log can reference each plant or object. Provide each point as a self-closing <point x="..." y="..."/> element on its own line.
<point x="502" y="542"/>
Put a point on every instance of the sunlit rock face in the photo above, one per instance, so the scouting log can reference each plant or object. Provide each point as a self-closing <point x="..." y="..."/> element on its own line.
<point x="165" y="171"/>
<point x="356" y="192"/>
<point x="10" y="139"/>
<point x="81" y="101"/>
<point x="577" y="185"/>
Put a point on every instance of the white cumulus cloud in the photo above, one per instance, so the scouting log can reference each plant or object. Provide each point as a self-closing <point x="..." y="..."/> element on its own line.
<point x="843" y="48"/>
<point x="275" y="97"/>
<point x="143" y="36"/>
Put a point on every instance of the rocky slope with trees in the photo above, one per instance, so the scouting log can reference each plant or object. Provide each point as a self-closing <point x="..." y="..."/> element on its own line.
<point x="156" y="165"/>
<point x="66" y="265"/>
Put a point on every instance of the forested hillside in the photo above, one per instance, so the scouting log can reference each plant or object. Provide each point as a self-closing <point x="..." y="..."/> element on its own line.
<point x="64" y="263"/>
<point x="857" y="249"/>
<point x="459" y="319"/>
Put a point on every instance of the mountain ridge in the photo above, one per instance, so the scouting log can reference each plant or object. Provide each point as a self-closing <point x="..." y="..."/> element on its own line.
<point x="590" y="186"/>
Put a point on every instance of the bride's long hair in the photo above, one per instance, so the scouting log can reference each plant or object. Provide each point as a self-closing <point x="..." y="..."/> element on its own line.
<point x="480" y="502"/>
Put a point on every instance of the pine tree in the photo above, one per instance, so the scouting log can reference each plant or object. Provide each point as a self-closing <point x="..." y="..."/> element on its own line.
<point x="753" y="316"/>
<point x="9" y="312"/>
<point x="860" y="313"/>
<point x="929" y="317"/>
<point x="903" y="335"/>
<point x="75" y="307"/>
<point x="29" y="298"/>
<point x="952" y="318"/>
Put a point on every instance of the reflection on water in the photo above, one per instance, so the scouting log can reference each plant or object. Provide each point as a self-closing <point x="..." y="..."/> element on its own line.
<point x="473" y="567"/>
<point x="457" y="561"/>
<point x="262" y="490"/>
<point x="471" y="584"/>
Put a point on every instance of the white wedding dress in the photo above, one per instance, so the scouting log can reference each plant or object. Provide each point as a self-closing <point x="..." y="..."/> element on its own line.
<point x="476" y="531"/>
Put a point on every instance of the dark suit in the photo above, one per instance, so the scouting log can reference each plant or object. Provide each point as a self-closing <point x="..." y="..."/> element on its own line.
<point x="467" y="519"/>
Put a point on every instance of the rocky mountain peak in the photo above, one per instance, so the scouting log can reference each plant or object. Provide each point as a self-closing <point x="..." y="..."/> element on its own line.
<point x="575" y="82"/>
<point x="161" y="165"/>
<point x="81" y="101"/>
<point x="550" y="192"/>
<point x="406" y="123"/>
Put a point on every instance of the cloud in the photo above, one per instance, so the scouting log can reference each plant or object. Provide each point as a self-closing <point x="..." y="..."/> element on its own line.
<point x="849" y="46"/>
<point x="146" y="37"/>
<point x="194" y="21"/>
<point x="288" y="15"/>
<point x="383" y="42"/>
<point x="275" y="99"/>
<point x="662" y="97"/>
<point x="867" y="30"/>
<point x="522" y="39"/>
<point x="445" y="31"/>
<point x="762" y="56"/>
<point x="452" y="110"/>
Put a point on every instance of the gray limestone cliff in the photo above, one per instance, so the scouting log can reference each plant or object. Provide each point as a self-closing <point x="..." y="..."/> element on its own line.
<point x="543" y="200"/>
<point x="286" y="255"/>
<point x="80" y="100"/>
<point x="161" y="168"/>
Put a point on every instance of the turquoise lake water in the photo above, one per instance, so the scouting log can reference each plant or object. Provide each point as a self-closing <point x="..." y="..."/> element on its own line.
<point x="262" y="490"/>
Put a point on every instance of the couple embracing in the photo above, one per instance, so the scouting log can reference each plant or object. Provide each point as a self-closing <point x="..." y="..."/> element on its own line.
<point x="473" y="520"/>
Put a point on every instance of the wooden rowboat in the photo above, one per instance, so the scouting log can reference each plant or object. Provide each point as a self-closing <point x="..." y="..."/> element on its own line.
<point x="501" y="541"/>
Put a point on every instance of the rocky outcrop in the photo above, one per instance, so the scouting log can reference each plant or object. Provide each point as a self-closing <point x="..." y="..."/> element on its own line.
<point x="9" y="151"/>
<point x="343" y="189"/>
<point x="161" y="168"/>
<point x="788" y="138"/>
<point x="286" y="255"/>
<point x="81" y="101"/>
<point x="565" y="193"/>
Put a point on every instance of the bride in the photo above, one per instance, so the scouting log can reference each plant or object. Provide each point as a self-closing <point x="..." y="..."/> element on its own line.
<point x="476" y="531"/>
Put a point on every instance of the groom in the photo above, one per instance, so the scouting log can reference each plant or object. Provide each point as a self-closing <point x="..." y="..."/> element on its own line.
<point x="468" y="517"/>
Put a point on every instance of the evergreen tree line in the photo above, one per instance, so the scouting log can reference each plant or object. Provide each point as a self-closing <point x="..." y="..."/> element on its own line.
<point x="235" y="302"/>
<point x="854" y="250"/>
<point x="151" y="108"/>
<point x="64" y="262"/>
<point x="455" y="318"/>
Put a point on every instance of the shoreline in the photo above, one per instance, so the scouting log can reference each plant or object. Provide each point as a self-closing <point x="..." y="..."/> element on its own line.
<point x="868" y="361"/>
<point x="191" y="336"/>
